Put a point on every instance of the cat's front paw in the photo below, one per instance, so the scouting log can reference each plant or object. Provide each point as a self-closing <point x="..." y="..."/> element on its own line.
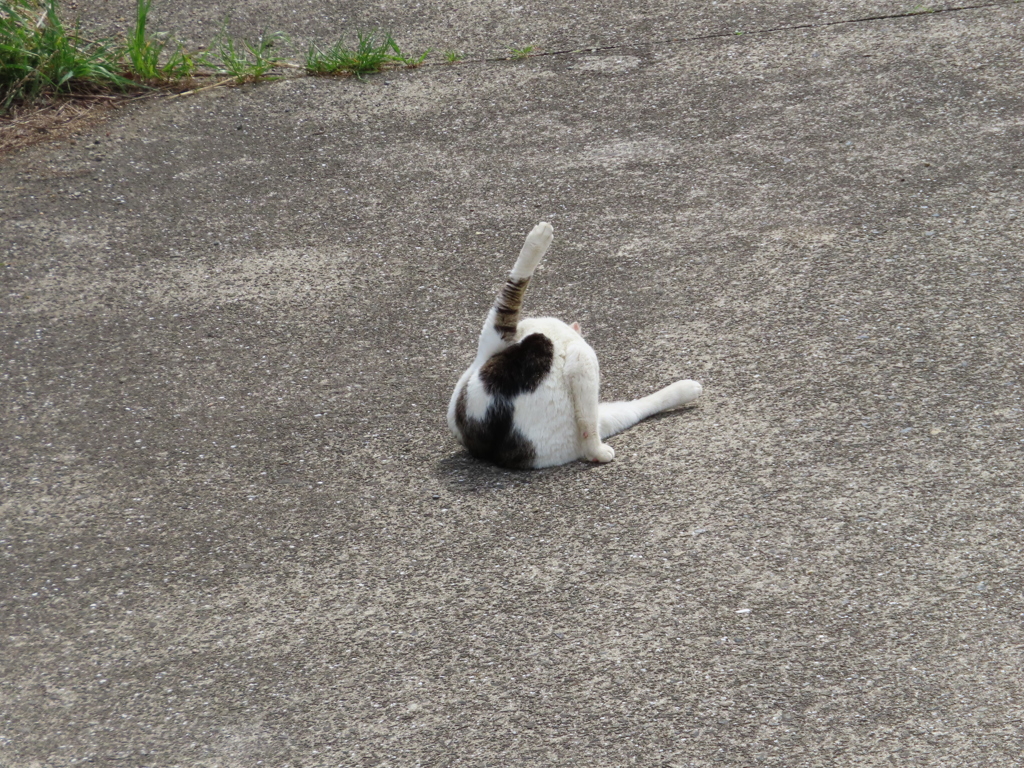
<point x="602" y="454"/>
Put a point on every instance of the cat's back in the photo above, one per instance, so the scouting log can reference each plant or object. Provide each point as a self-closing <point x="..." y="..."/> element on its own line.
<point x="516" y="409"/>
<point x="559" y="333"/>
<point x="546" y="416"/>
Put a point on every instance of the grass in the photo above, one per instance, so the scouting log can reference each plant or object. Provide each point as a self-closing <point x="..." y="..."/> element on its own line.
<point x="247" y="61"/>
<point x="40" y="55"/>
<point x="521" y="53"/>
<point x="145" y="54"/>
<point x="414" y="61"/>
<point x="375" y="50"/>
<point x="453" y="57"/>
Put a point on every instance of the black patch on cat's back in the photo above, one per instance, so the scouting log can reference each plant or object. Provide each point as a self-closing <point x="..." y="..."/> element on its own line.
<point x="513" y="371"/>
<point x="520" y="368"/>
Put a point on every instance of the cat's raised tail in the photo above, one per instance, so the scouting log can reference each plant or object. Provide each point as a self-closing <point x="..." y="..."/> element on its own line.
<point x="618" y="416"/>
<point x="503" y="319"/>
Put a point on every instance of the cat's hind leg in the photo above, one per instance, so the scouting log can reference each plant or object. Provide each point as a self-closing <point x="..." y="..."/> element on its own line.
<point x="503" y="319"/>
<point x="584" y="378"/>
<point x="533" y="250"/>
<point x="618" y="416"/>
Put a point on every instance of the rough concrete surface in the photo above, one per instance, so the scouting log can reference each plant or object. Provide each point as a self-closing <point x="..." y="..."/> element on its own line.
<point x="487" y="27"/>
<point x="235" y="530"/>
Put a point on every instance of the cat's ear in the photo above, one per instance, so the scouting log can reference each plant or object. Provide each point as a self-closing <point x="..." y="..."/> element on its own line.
<point x="576" y="327"/>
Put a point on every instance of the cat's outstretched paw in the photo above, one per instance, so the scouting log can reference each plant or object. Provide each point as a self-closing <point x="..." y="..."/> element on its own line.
<point x="541" y="236"/>
<point x="536" y="245"/>
<point x="685" y="391"/>
<point x="602" y="455"/>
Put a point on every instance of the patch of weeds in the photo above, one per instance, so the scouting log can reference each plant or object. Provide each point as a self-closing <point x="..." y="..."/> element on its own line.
<point x="413" y="61"/>
<point x="521" y="53"/>
<point x="247" y="61"/>
<point x="40" y="56"/>
<point x="145" y="52"/>
<point x="453" y="57"/>
<point x="370" y="56"/>
<point x="375" y="50"/>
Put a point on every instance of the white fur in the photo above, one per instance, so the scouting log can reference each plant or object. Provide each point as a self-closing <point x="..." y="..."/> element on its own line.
<point x="617" y="416"/>
<point x="562" y="418"/>
<point x="477" y="399"/>
<point x="490" y="341"/>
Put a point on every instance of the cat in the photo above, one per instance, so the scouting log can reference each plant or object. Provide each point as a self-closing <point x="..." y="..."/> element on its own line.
<point x="530" y="398"/>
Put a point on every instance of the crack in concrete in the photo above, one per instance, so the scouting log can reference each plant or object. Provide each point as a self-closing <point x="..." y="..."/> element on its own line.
<point x="738" y="33"/>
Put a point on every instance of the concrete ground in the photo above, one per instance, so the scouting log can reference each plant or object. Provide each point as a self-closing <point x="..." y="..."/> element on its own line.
<point x="235" y="530"/>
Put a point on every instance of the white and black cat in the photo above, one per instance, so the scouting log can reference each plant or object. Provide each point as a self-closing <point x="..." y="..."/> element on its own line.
<point x="530" y="398"/>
